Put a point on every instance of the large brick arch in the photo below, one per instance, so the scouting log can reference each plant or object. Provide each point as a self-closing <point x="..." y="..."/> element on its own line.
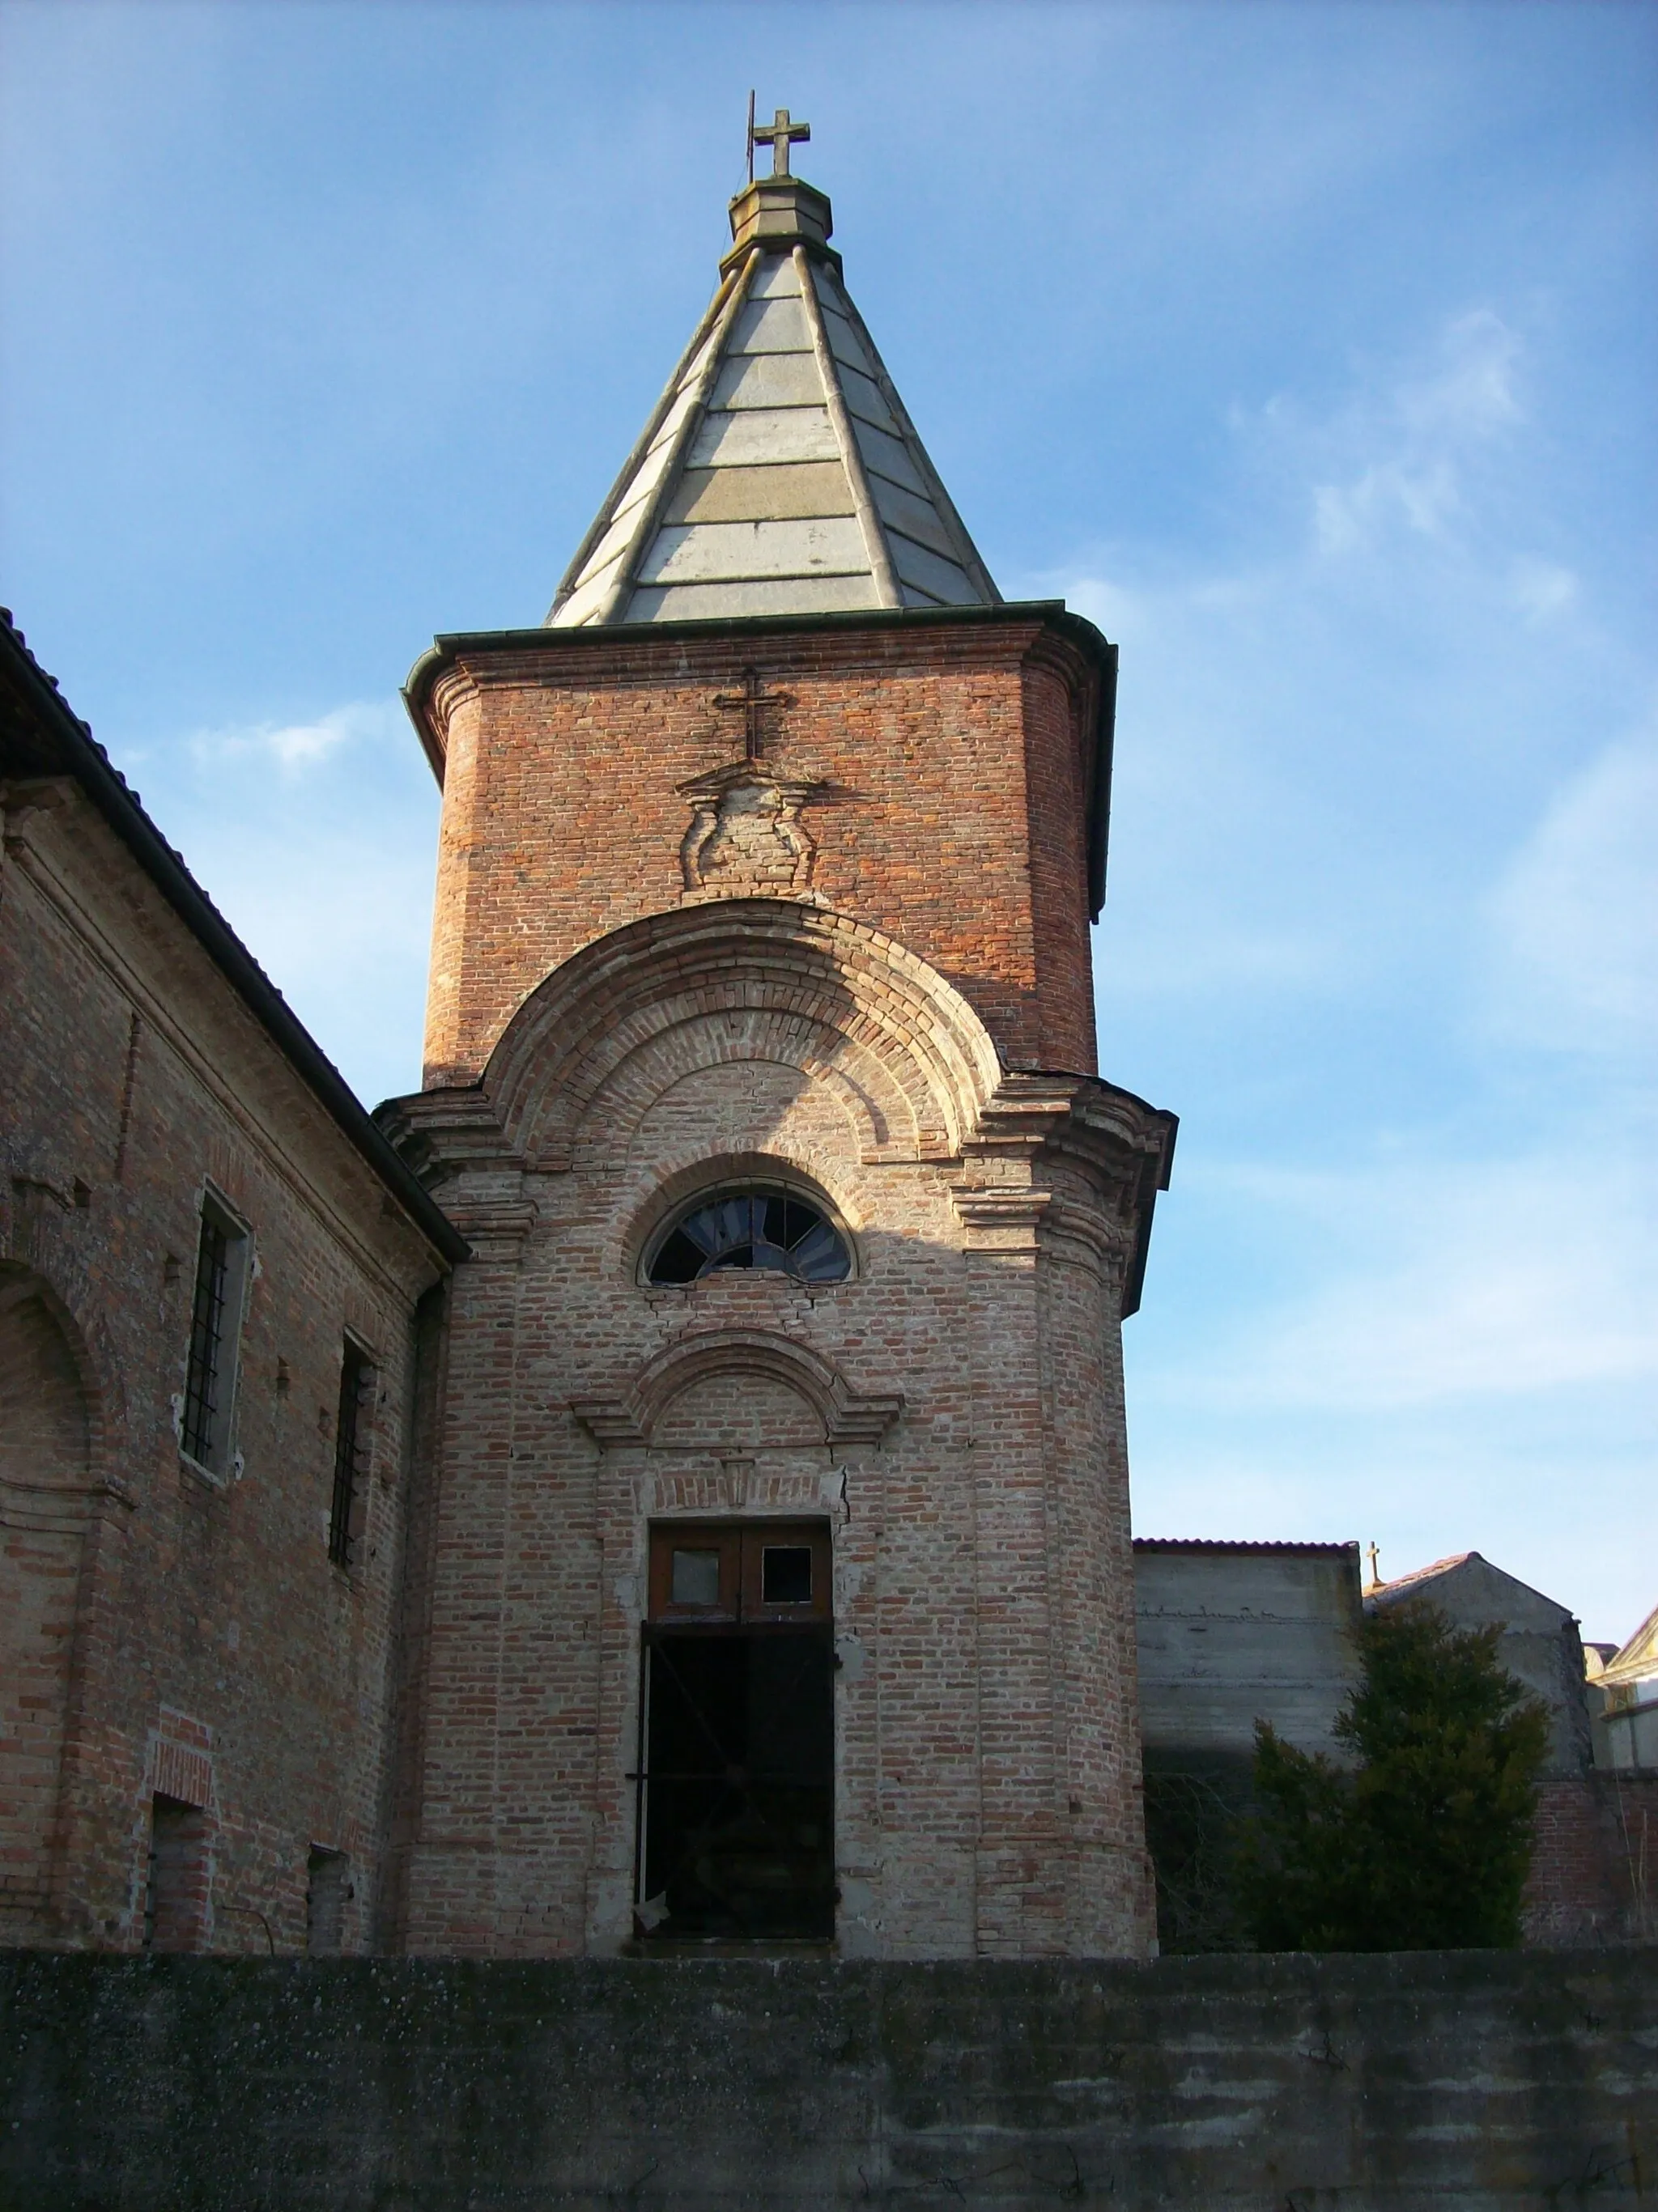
<point x="45" y="1424"/>
<point x="47" y="1307"/>
<point x="592" y="1047"/>
<point x="50" y="1443"/>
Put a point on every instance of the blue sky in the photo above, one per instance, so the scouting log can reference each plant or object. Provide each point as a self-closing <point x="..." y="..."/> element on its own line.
<point x="1309" y="349"/>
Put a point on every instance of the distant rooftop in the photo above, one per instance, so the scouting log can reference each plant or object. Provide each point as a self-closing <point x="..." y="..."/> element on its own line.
<point x="779" y="473"/>
<point x="1215" y="1544"/>
<point x="1397" y="1583"/>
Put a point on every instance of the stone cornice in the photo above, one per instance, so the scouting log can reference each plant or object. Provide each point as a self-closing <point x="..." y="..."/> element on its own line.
<point x="1036" y="1117"/>
<point x="445" y="1133"/>
<point x="652" y="654"/>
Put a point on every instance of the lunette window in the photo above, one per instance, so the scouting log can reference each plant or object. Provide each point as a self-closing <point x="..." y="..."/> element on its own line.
<point x="777" y="1229"/>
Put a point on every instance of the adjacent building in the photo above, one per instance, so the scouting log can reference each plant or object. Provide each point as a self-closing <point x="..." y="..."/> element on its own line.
<point x="214" y="1276"/>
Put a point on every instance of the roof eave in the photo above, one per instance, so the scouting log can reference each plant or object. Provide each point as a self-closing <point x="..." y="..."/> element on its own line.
<point x="78" y="755"/>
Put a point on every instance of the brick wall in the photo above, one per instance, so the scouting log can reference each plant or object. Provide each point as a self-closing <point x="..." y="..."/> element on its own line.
<point x="167" y="1634"/>
<point x="952" y="1410"/>
<point x="947" y="771"/>
<point x="1594" y="1873"/>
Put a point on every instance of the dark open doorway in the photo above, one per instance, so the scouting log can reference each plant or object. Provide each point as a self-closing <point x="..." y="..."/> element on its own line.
<point x="736" y="1781"/>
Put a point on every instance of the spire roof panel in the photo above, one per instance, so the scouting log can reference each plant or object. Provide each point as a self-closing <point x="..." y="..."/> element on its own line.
<point x="779" y="472"/>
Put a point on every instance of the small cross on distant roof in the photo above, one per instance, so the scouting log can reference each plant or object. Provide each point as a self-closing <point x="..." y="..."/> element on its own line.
<point x="783" y="133"/>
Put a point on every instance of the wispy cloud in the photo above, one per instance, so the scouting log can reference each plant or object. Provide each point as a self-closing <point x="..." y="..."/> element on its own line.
<point x="1400" y="452"/>
<point x="1384" y="911"/>
<point x="1572" y="923"/>
<point x="1437" y="1281"/>
<point x="298" y="746"/>
<point x="328" y="874"/>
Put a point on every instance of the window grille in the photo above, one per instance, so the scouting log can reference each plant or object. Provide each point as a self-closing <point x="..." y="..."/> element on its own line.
<point x="353" y="1377"/>
<point x="209" y="1376"/>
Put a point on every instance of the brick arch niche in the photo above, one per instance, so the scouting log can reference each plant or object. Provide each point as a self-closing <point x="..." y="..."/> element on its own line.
<point x="48" y="1446"/>
<point x="891" y="1049"/>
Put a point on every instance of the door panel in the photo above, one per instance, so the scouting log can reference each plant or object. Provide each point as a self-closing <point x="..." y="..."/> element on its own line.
<point x="736" y="1787"/>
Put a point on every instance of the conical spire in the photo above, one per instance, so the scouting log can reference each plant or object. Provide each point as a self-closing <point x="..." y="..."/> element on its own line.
<point x="779" y="472"/>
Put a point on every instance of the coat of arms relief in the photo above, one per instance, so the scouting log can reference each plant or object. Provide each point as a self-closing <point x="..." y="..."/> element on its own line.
<point x="746" y="837"/>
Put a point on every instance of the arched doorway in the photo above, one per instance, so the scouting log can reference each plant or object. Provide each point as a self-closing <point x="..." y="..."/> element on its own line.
<point x="736" y="1734"/>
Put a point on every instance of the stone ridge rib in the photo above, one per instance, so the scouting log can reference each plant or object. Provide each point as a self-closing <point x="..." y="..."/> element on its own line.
<point x="857" y="477"/>
<point x="613" y="575"/>
<point x="780" y="473"/>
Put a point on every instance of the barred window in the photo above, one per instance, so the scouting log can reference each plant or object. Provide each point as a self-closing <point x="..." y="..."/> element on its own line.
<point x="775" y="1229"/>
<point x="355" y="1386"/>
<point x="215" y="1321"/>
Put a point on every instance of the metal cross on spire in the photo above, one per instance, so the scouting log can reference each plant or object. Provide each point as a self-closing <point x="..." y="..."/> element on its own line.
<point x="783" y="133"/>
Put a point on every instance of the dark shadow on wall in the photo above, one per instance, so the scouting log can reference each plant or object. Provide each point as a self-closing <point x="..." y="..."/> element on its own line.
<point x="1196" y="1805"/>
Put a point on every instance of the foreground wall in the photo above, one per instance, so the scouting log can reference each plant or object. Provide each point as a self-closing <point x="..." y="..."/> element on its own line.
<point x="1474" y="2079"/>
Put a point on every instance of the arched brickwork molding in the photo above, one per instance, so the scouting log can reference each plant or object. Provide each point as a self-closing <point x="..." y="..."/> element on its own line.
<point x="908" y="1052"/>
<point x="669" y="1043"/>
<point x="632" y="1419"/>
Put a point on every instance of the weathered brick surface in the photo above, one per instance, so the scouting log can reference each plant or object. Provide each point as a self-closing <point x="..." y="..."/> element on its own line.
<point x="162" y="1632"/>
<point x="1594" y="1873"/>
<point x="853" y="973"/>
<point x="950" y="768"/>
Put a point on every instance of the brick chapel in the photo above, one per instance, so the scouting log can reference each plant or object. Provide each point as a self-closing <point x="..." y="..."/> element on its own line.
<point x="663" y="1483"/>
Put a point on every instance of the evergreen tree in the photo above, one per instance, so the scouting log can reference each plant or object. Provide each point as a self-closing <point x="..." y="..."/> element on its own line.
<point x="1425" y="1842"/>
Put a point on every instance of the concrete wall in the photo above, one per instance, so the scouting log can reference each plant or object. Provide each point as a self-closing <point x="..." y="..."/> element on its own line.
<point x="1495" y="2082"/>
<point x="1626" y="1736"/>
<point x="1230" y="1633"/>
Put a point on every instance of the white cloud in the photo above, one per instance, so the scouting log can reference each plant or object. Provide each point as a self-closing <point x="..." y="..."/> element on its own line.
<point x="1470" y="390"/>
<point x="316" y="840"/>
<point x="1404" y="450"/>
<point x="1541" y="589"/>
<point x="1573" y="923"/>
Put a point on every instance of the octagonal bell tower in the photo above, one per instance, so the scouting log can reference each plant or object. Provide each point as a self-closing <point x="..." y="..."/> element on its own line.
<point x="772" y="1583"/>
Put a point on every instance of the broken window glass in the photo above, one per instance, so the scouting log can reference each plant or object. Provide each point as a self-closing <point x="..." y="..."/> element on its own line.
<point x="786" y="1574"/>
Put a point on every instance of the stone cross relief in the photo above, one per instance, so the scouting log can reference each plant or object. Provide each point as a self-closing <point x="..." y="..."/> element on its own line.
<point x="746" y="837"/>
<point x="754" y="703"/>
